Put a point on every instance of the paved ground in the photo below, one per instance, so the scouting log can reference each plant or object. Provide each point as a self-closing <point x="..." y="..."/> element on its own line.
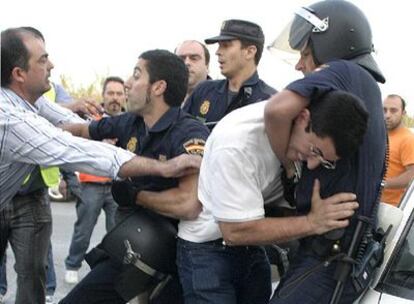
<point x="63" y="218"/>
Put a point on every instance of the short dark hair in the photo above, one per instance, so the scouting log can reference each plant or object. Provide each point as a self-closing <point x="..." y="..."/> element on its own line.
<point x="403" y="103"/>
<point x="164" y="65"/>
<point x="259" y="46"/>
<point x="342" y="117"/>
<point x="14" y="52"/>
<point x="111" y="79"/>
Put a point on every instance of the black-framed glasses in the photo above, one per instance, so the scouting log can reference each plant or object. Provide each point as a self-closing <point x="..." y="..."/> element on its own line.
<point x="327" y="164"/>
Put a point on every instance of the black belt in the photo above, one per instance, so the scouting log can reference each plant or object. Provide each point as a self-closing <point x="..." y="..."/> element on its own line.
<point x="221" y="242"/>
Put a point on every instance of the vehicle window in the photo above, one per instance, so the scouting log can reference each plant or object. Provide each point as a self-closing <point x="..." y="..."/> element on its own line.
<point x="399" y="280"/>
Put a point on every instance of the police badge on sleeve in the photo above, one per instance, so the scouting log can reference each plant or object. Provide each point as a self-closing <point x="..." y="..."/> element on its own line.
<point x="195" y="146"/>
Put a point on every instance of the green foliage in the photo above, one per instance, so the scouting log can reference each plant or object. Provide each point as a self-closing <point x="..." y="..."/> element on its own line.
<point x="409" y="121"/>
<point x="90" y="91"/>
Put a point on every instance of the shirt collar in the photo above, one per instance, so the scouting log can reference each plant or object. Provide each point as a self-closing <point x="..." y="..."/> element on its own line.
<point x="253" y="80"/>
<point x="166" y="120"/>
<point x="15" y="100"/>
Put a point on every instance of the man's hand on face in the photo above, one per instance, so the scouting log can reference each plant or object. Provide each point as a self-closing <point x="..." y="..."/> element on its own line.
<point x="184" y="164"/>
<point x="332" y="212"/>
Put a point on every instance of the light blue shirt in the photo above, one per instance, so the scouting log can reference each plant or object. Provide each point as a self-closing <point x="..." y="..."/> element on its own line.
<point x="28" y="137"/>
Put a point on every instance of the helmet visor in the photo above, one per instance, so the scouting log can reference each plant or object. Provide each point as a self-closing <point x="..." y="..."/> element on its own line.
<point x="296" y="34"/>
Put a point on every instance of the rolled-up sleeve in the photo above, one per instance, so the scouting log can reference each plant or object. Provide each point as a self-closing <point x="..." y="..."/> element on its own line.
<point x="56" y="114"/>
<point x="29" y="138"/>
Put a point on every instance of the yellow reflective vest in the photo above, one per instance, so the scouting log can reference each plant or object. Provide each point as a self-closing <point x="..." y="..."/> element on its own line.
<point x="50" y="175"/>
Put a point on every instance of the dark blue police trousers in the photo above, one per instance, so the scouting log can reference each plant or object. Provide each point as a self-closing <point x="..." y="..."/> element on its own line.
<point x="316" y="288"/>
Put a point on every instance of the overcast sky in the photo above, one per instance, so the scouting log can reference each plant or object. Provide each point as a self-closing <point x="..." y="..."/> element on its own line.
<point x="89" y="38"/>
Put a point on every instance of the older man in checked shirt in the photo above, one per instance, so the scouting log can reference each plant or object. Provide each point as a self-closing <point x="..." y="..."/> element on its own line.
<point x="29" y="139"/>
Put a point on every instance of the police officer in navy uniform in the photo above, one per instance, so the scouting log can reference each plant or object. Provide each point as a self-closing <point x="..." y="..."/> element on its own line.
<point x="335" y="42"/>
<point x="156" y="127"/>
<point x="239" y="52"/>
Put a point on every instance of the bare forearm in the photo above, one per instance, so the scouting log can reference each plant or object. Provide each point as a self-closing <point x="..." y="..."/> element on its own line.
<point x="326" y="214"/>
<point x="278" y="132"/>
<point x="140" y="166"/>
<point x="171" y="203"/>
<point x="81" y="130"/>
<point x="400" y="181"/>
<point x="280" y="112"/>
<point x="266" y="231"/>
<point x="180" y="202"/>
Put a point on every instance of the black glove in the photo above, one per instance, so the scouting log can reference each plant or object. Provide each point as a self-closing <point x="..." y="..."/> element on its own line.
<point x="124" y="193"/>
<point x="289" y="185"/>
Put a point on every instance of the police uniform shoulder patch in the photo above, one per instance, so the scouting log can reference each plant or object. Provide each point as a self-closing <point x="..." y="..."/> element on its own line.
<point x="205" y="106"/>
<point x="132" y="144"/>
<point x="195" y="146"/>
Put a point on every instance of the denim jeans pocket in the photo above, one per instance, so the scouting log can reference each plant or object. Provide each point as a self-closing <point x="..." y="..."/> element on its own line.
<point x="41" y="209"/>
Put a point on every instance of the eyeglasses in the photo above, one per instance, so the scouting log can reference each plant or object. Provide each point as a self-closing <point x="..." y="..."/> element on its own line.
<point x="327" y="164"/>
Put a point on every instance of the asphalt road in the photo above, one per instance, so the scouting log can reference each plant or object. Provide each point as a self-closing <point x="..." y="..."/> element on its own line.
<point x="64" y="216"/>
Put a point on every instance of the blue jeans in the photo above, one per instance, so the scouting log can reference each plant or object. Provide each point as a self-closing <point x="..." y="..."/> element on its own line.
<point x="317" y="288"/>
<point x="50" y="274"/>
<point x="26" y="223"/>
<point x="213" y="273"/>
<point x="93" y="198"/>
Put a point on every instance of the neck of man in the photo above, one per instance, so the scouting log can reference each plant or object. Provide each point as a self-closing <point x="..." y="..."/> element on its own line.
<point x="189" y="92"/>
<point x="236" y="81"/>
<point x="24" y="94"/>
<point x="157" y="110"/>
<point x="400" y="125"/>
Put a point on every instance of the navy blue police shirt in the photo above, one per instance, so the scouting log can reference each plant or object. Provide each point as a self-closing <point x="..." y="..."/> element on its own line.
<point x="175" y="133"/>
<point x="209" y="103"/>
<point x="360" y="173"/>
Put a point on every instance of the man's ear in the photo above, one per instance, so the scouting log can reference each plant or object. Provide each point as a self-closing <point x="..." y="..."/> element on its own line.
<point x="251" y="51"/>
<point x="303" y="117"/>
<point x="159" y="87"/>
<point x="18" y="75"/>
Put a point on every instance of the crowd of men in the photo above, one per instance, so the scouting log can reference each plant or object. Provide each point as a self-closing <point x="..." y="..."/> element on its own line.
<point x="200" y="178"/>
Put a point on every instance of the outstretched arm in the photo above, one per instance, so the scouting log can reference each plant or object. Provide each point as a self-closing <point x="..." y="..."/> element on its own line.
<point x="178" y="166"/>
<point x="78" y="129"/>
<point x="325" y="215"/>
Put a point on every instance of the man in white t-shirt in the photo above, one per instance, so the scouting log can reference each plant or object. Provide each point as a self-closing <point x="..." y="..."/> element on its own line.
<point x="219" y="258"/>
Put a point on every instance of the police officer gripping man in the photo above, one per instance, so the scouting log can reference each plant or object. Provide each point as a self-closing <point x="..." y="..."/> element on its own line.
<point x="240" y="47"/>
<point x="155" y="126"/>
<point x="335" y="43"/>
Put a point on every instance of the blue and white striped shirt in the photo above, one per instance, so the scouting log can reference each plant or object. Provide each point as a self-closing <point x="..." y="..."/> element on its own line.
<point x="28" y="137"/>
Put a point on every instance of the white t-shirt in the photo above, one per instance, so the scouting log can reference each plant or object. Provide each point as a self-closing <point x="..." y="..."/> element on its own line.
<point x="238" y="175"/>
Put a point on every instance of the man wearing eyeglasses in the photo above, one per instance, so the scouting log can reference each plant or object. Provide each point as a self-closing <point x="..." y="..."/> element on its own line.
<point x="218" y="256"/>
<point x="334" y="39"/>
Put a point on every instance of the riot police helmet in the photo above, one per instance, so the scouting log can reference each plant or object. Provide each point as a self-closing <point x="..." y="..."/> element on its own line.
<point x="333" y="29"/>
